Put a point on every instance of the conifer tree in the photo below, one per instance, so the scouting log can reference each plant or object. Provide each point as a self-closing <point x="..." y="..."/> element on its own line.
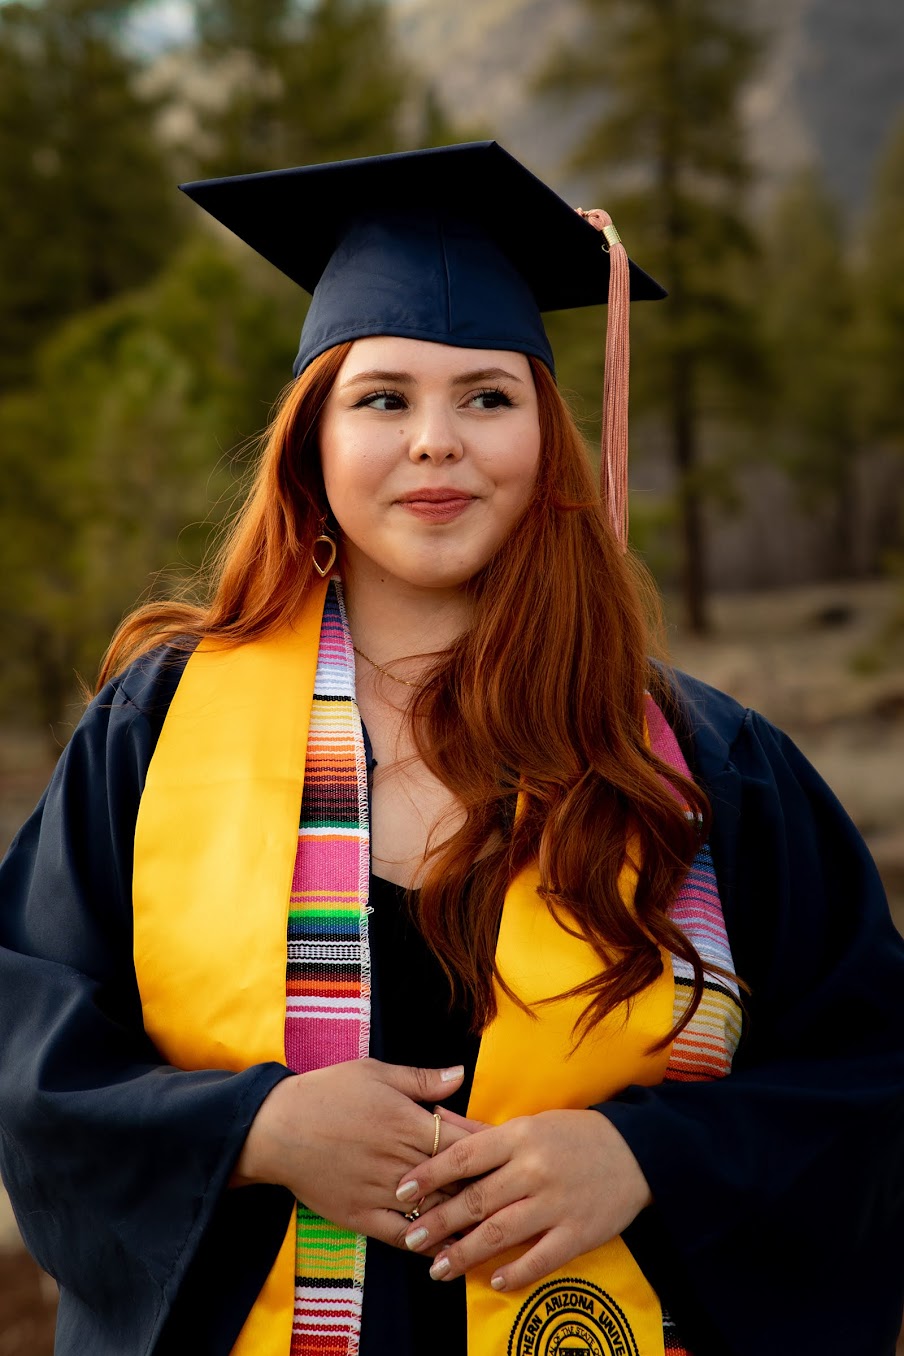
<point x="120" y="459"/>
<point x="808" y="304"/>
<point x="322" y="82"/>
<point x="89" y="208"/>
<point x="666" y="149"/>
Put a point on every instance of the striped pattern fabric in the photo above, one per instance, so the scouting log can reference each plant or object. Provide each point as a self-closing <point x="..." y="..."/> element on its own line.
<point x="328" y="967"/>
<point x="705" y="1048"/>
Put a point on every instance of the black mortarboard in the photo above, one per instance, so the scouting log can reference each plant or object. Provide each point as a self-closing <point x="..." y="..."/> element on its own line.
<point x="458" y="245"/>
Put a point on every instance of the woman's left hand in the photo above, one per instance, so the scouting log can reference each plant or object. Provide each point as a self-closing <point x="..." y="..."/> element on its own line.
<point x="564" y="1181"/>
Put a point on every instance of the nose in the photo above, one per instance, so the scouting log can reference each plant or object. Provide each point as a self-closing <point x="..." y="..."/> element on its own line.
<point x="435" y="436"/>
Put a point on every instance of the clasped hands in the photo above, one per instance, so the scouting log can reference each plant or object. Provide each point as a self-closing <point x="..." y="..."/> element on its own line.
<point x="563" y="1182"/>
<point x="352" y="1142"/>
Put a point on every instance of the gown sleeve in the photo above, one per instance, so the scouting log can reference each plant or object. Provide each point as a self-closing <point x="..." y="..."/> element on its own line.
<point x="116" y="1163"/>
<point x="778" y="1216"/>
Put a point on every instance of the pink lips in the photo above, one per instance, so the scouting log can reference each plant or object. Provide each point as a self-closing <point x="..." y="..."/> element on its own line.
<point x="436" y="506"/>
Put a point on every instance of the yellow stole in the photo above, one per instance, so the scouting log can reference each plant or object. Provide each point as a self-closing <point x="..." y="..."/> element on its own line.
<point x="214" y="850"/>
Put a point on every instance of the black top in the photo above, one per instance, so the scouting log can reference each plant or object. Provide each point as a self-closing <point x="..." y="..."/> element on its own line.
<point x="412" y="1022"/>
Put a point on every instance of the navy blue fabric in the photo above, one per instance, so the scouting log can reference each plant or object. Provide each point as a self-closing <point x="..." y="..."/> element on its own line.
<point x="779" y="1201"/>
<point x="422" y="278"/>
<point x="456" y="245"/>
<point x="116" y="1163"/>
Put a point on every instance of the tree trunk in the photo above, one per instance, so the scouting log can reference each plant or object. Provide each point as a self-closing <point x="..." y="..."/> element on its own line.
<point x="847" y="501"/>
<point x="690" y="502"/>
<point x="682" y="395"/>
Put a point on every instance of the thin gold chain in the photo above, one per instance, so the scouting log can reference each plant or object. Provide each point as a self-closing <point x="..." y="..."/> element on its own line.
<point x="380" y="669"/>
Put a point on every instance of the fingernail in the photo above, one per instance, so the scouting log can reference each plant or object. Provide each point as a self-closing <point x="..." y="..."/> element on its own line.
<point x="451" y="1075"/>
<point x="498" y="1282"/>
<point x="439" y="1268"/>
<point x="415" y="1240"/>
<point x="406" y="1191"/>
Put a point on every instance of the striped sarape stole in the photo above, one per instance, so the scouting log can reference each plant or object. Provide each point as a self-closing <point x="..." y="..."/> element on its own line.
<point x="328" y="967"/>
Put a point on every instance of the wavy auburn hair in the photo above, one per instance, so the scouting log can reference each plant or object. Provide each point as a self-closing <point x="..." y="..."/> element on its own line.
<point x="540" y="701"/>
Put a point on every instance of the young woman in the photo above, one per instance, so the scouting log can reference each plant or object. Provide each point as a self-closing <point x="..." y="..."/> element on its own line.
<point x="399" y="959"/>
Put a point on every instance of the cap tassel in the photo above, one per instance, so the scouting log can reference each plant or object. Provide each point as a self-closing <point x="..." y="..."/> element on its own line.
<point x="614" y="449"/>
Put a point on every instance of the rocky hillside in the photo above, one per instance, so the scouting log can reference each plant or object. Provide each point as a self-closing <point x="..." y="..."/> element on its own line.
<point x="830" y="85"/>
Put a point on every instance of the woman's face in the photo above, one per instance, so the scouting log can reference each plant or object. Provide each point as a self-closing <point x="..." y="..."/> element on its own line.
<point x="429" y="457"/>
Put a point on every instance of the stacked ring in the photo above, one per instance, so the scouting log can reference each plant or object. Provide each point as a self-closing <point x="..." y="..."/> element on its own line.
<point x="415" y="1211"/>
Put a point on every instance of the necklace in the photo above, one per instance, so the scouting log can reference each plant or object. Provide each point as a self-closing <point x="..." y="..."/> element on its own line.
<point x="380" y="669"/>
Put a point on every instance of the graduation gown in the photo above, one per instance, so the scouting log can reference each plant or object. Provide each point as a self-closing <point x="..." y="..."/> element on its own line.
<point x="778" y="1222"/>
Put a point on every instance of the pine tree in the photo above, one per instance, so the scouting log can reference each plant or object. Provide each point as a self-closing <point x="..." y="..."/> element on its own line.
<point x="808" y="304"/>
<point x="118" y="463"/>
<point x="318" y="82"/>
<point x="89" y="208"/>
<point x="665" y="78"/>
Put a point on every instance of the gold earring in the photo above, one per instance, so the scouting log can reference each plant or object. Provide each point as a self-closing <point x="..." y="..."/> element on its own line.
<point x="324" y="570"/>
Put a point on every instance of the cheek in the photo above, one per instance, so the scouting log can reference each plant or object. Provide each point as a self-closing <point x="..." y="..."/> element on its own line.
<point x="352" y="476"/>
<point x="517" y="472"/>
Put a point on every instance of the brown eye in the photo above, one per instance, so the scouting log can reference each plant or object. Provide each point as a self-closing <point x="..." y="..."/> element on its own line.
<point x="382" y="400"/>
<point x="491" y="399"/>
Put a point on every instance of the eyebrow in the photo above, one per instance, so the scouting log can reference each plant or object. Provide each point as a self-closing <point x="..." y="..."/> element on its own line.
<point x="463" y="379"/>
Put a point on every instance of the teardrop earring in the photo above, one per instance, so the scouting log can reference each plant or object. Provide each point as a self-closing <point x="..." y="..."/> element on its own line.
<point x="324" y="570"/>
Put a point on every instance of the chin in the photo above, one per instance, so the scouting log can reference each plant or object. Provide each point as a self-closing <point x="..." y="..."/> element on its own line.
<point x="422" y="568"/>
<point x="440" y="580"/>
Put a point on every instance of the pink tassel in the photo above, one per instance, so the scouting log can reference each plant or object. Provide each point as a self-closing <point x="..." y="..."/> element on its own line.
<point x="614" y="450"/>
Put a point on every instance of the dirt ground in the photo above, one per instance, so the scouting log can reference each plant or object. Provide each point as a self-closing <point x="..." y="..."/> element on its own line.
<point x="809" y="660"/>
<point x="806" y="658"/>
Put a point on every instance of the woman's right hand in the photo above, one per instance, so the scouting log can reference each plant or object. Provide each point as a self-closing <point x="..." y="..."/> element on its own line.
<point x="341" y="1137"/>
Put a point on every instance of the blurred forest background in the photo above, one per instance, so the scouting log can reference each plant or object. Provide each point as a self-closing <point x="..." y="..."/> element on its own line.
<point x="752" y="155"/>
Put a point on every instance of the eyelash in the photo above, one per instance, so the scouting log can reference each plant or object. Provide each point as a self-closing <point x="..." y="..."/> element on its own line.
<point x="504" y="400"/>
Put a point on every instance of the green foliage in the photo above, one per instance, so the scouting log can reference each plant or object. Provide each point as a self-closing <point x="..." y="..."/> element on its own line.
<point x="320" y="82"/>
<point x="89" y="209"/>
<point x="809" y="310"/>
<point x="123" y="440"/>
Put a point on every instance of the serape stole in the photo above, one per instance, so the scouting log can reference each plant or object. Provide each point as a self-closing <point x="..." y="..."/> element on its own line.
<point x="328" y="967"/>
<point x="704" y="1049"/>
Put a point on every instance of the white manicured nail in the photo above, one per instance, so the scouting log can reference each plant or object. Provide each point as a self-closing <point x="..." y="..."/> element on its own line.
<point x="439" y="1268"/>
<point x="498" y="1282"/>
<point x="415" y="1240"/>
<point x="451" y="1075"/>
<point x="406" y="1191"/>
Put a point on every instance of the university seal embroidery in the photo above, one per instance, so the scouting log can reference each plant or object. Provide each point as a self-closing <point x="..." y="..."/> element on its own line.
<point x="571" y="1318"/>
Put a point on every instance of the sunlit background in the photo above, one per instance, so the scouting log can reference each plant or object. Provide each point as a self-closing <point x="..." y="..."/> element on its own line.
<point x="752" y="154"/>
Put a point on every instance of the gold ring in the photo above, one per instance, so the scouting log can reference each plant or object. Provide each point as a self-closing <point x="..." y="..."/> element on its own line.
<point x="415" y="1213"/>
<point x="438" y="1119"/>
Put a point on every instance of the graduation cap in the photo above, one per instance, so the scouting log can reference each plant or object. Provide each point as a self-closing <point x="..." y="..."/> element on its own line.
<point x="458" y="245"/>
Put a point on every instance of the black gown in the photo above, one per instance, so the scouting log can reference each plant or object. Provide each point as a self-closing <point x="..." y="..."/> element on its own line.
<point x="778" y="1222"/>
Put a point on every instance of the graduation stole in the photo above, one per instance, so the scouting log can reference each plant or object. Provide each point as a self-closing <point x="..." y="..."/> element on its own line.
<point x="220" y="860"/>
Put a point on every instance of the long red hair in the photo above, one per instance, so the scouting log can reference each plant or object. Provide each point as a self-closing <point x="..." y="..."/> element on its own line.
<point x="541" y="701"/>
